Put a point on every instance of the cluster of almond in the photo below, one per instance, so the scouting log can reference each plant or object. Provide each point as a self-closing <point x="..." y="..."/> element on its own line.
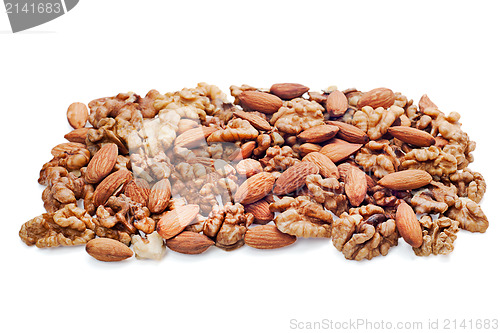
<point x="190" y="169"/>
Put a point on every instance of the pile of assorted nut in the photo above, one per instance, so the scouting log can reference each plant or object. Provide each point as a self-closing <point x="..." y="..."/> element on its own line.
<point x="188" y="170"/>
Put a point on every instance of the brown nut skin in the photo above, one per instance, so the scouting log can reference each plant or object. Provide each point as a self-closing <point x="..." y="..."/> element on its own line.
<point x="188" y="242"/>
<point x="288" y="90"/>
<point x="260" y="101"/>
<point x="107" y="249"/>
<point x="408" y="225"/>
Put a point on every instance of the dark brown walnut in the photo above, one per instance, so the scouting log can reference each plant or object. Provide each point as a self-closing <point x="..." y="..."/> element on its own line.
<point x="439" y="236"/>
<point x="302" y="217"/>
<point x="364" y="233"/>
<point x="67" y="226"/>
<point x="227" y="225"/>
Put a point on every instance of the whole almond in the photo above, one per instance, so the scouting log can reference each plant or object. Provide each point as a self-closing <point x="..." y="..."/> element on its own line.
<point x="77" y="115"/>
<point x="267" y="237"/>
<point x="159" y="196"/>
<point x="245" y="151"/>
<point x="336" y="103"/>
<point x="189" y="242"/>
<point x="318" y="133"/>
<point x="288" y="90"/>
<point x="307" y="148"/>
<point x="345" y="167"/>
<point x="338" y="149"/>
<point x="408" y="225"/>
<point x="412" y="136"/>
<point x="174" y="221"/>
<point x="260" y="210"/>
<point x="248" y="167"/>
<point x="66" y="147"/>
<point x="137" y="191"/>
<point x="107" y="249"/>
<point x="260" y="101"/>
<point x="255" y="120"/>
<point x="405" y="180"/>
<point x="349" y="133"/>
<point x="187" y="124"/>
<point x="379" y="97"/>
<point x="355" y="186"/>
<point x="194" y="137"/>
<point x="254" y="188"/>
<point x="294" y="177"/>
<point x="78" y="135"/>
<point x="102" y="163"/>
<point x="111" y="185"/>
<point x="327" y="168"/>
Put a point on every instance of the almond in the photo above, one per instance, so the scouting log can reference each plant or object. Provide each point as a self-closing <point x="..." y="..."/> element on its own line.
<point x="294" y="177"/>
<point x="338" y="149"/>
<point x="405" y="180"/>
<point x="318" y="133"/>
<point x="194" y="137"/>
<point x="345" y="167"/>
<point x="355" y="186"/>
<point x="379" y="97"/>
<point x="426" y="104"/>
<point x="349" y="133"/>
<point x="336" y="103"/>
<point x="307" y="148"/>
<point x="102" y="163"/>
<point x="107" y="249"/>
<point x="268" y="237"/>
<point x="187" y="124"/>
<point x="248" y="167"/>
<point x="159" y="196"/>
<point x="245" y="151"/>
<point x="78" y="135"/>
<point x="111" y="185"/>
<point x="327" y="168"/>
<point x="174" y="221"/>
<point x="77" y="115"/>
<point x="408" y="225"/>
<point x="189" y="242"/>
<point x="260" y="101"/>
<point x="255" y="120"/>
<point x="412" y="136"/>
<point x="254" y="188"/>
<point x="137" y="191"/>
<point x="288" y="90"/>
<point x="260" y="210"/>
<point x="66" y="147"/>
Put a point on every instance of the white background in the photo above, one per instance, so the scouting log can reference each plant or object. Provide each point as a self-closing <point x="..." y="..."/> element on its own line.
<point x="448" y="50"/>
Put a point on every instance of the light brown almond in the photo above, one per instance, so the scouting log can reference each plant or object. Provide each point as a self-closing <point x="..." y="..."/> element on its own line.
<point x="111" y="185"/>
<point x="379" y="97"/>
<point x="327" y="168"/>
<point x="338" y="149"/>
<point x="194" y="137"/>
<point x="336" y="103"/>
<point x="260" y="210"/>
<point x="159" y="196"/>
<point x="187" y="124"/>
<point x="260" y="101"/>
<point x="345" y="167"/>
<point x="102" y="163"/>
<point x="288" y="90"/>
<point x="77" y="115"/>
<point x="349" y="133"/>
<point x="66" y="147"/>
<point x="425" y="104"/>
<point x="245" y="151"/>
<point x="408" y="225"/>
<point x="307" y="148"/>
<point x="107" y="249"/>
<point x="406" y="180"/>
<point x="248" y="167"/>
<point x="137" y="191"/>
<point x="267" y="237"/>
<point x="412" y="136"/>
<point x="174" y="221"/>
<point x="318" y="133"/>
<point x="355" y="186"/>
<point x="294" y="177"/>
<point x="255" y="120"/>
<point x="254" y="188"/>
<point x="189" y="242"/>
<point x="78" y="135"/>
